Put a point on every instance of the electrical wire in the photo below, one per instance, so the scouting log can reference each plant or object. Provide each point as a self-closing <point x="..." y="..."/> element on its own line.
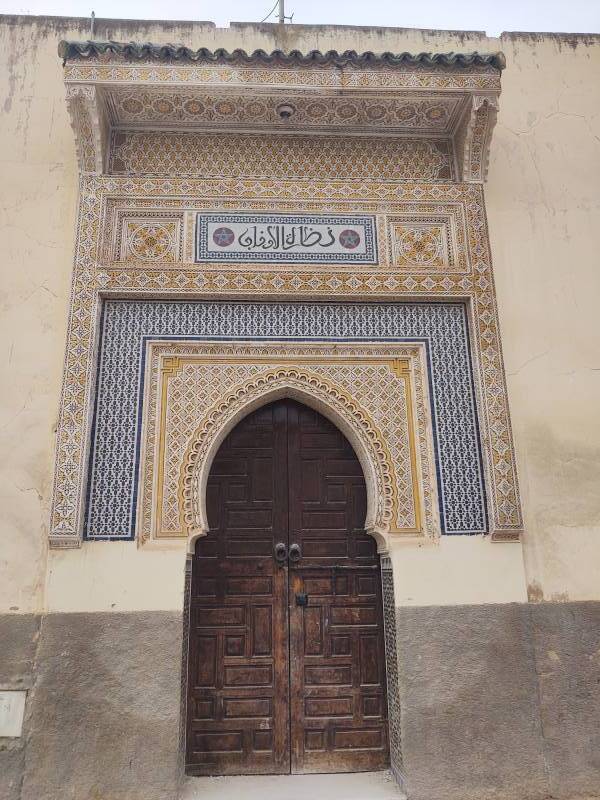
<point x="270" y="12"/>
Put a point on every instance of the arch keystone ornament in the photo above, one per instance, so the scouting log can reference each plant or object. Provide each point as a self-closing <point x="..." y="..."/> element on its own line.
<point x="312" y="390"/>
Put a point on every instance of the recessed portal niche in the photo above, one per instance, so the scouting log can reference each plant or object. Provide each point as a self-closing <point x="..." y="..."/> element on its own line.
<point x="286" y="664"/>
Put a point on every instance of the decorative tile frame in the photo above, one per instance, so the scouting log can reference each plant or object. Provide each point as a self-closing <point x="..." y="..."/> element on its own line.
<point x="92" y="280"/>
<point x="195" y="392"/>
<point x="129" y="328"/>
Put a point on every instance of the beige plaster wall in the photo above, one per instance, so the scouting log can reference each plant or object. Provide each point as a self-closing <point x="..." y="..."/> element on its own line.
<point x="38" y="194"/>
<point x="116" y="576"/>
<point x="542" y="197"/>
<point x="543" y="204"/>
<point x="120" y="576"/>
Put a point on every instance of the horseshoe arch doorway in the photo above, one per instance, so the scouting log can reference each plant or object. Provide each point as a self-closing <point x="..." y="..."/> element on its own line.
<point x="286" y="660"/>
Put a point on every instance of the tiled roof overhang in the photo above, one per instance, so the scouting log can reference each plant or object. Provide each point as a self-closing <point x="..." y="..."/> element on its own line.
<point x="114" y="86"/>
<point x="169" y="52"/>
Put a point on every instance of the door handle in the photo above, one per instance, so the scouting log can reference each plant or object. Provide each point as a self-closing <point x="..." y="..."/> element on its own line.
<point x="295" y="553"/>
<point x="280" y="552"/>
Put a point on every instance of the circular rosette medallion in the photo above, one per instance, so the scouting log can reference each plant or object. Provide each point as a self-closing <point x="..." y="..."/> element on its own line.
<point x="152" y="242"/>
<point x="349" y="238"/>
<point x="223" y="237"/>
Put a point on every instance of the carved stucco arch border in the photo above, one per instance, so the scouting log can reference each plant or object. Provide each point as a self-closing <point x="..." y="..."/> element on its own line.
<point x="315" y="392"/>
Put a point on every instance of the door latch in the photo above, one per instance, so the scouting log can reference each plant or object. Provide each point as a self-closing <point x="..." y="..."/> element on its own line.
<point x="280" y="552"/>
<point x="295" y="553"/>
<point x="302" y="599"/>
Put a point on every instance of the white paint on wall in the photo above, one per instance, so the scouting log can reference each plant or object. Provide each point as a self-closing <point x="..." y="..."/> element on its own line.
<point x="12" y="712"/>
<point x="461" y="570"/>
<point x="115" y="576"/>
<point x="119" y="576"/>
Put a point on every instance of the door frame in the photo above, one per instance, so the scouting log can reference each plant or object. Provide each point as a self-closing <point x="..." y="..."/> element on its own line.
<point x="375" y="488"/>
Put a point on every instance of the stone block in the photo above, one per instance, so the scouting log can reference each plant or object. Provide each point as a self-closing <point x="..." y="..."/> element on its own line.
<point x="106" y="707"/>
<point x="566" y="638"/>
<point x="18" y="638"/>
<point x="470" y="714"/>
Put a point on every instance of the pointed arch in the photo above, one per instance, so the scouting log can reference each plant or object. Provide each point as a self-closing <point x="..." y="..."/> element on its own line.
<point x="313" y="391"/>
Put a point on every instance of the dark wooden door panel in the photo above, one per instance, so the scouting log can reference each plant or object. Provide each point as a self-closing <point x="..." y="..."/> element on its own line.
<point x="274" y="686"/>
<point x="338" y="702"/>
<point x="238" y="679"/>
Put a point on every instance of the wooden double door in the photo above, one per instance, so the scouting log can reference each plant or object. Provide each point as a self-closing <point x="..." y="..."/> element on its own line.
<point x="286" y="664"/>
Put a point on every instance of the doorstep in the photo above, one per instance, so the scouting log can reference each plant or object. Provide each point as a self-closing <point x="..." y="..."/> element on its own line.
<point x="341" y="786"/>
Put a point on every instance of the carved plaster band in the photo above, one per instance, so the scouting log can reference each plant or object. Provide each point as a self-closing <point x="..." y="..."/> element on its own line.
<point x="190" y="408"/>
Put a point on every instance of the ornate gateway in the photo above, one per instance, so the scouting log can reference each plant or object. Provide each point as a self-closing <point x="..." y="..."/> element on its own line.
<point x="282" y="280"/>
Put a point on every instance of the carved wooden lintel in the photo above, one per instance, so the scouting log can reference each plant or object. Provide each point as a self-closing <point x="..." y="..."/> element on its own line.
<point x="89" y="121"/>
<point x="473" y="137"/>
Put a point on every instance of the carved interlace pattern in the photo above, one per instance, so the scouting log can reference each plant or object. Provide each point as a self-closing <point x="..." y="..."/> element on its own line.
<point x="433" y="113"/>
<point x="266" y="155"/>
<point x="197" y="379"/>
<point x="151" y="241"/>
<point x="420" y="246"/>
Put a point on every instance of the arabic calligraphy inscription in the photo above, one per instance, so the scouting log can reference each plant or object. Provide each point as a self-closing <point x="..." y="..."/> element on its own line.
<point x="285" y="237"/>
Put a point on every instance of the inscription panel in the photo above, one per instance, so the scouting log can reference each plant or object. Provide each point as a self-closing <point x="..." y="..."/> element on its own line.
<point x="274" y="238"/>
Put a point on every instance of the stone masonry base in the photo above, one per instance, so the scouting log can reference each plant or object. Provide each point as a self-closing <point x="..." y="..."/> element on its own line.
<point x="497" y="703"/>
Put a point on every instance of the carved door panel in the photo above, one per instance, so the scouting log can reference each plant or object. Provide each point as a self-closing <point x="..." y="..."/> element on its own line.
<point x="337" y="657"/>
<point x="286" y="667"/>
<point x="238" y="675"/>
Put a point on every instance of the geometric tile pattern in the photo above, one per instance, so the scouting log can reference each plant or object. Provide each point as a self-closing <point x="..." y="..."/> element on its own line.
<point x="152" y="240"/>
<point x="94" y="277"/>
<point x="291" y="156"/>
<point x="391" y="662"/>
<point x="184" y="380"/>
<point x="129" y="324"/>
